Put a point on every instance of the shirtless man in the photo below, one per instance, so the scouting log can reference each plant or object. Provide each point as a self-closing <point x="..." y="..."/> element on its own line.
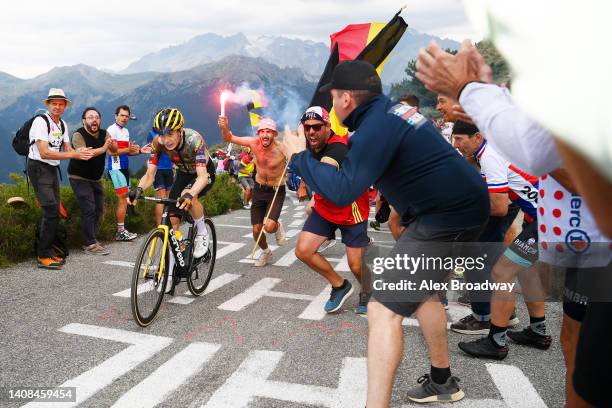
<point x="270" y="162"/>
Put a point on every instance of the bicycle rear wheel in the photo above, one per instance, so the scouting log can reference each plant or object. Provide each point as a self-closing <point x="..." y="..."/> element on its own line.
<point x="201" y="272"/>
<point x="149" y="278"/>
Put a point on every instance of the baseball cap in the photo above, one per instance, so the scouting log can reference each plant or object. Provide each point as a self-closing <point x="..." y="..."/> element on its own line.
<point x="317" y="113"/>
<point x="266" y="123"/>
<point x="355" y="75"/>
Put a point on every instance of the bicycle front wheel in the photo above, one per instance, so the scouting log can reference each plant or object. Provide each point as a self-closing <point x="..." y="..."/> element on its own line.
<point x="201" y="272"/>
<point x="149" y="278"/>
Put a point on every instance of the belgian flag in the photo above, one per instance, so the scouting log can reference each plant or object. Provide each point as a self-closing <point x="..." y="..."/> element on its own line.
<point x="371" y="42"/>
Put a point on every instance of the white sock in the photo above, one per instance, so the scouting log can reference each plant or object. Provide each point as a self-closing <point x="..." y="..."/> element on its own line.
<point x="201" y="226"/>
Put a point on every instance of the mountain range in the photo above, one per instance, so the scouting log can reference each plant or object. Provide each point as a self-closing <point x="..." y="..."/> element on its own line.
<point x="189" y="76"/>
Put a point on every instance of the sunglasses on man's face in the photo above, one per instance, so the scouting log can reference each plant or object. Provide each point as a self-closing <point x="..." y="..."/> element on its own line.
<point x="316" y="127"/>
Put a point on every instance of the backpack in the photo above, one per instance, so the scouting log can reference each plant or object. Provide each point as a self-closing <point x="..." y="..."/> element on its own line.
<point x="21" y="141"/>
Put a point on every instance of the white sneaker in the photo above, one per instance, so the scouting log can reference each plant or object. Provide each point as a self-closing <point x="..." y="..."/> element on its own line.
<point x="328" y="243"/>
<point x="281" y="237"/>
<point x="201" y="246"/>
<point x="264" y="258"/>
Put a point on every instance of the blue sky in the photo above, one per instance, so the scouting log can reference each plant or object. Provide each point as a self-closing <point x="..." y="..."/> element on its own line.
<point x="39" y="35"/>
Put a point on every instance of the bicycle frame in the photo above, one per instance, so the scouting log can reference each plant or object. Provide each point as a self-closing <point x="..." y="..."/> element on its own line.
<point x="183" y="259"/>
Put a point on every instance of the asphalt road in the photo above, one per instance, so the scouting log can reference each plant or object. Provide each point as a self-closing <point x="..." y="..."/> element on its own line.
<point x="259" y="339"/>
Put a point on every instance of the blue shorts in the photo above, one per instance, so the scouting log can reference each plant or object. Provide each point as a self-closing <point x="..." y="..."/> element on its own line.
<point x="120" y="179"/>
<point x="353" y="236"/>
<point x="163" y="179"/>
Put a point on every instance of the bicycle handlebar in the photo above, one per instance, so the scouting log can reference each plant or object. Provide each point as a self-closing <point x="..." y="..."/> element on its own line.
<point x="161" y="200"/>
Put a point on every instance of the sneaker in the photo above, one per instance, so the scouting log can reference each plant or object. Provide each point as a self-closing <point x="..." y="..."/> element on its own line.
<point x="264" y="258"/>
<point x="60" y="260"/>
<point x="338" y="296"/>
<point x="429" y="391"/>
<point x="362" y="306"/>
<point x="513" y="321"/>
<point x="247" y="207"/>
<point x="528" y="337"/>
<point x="375" y="225"/>
<point x="469" y="325"/>
<point x="125" y="235"/>
<point x="464" y="299"/>
<point x="281" y="238"/>
<point x="201" y="246"/>
<point x="483" y="348"/>
<point x="96" y="249"/>
<point x="49" y="263"/>
<point x="328" y="243"/>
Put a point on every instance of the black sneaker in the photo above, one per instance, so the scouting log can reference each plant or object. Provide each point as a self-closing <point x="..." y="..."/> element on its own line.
<point x="429" y="391"/>
<point x="375" y="225"/>
<point x="528" y="337"/>
<point x="469" y="325"/>
<point x="483" y="348"/>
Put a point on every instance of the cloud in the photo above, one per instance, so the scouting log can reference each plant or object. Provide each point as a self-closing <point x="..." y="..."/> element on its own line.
<point x="111" y="34"/>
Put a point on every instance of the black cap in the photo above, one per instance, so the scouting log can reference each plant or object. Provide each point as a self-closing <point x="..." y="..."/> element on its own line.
<point x="463" y="128"/>
<point x="354" y="75"/>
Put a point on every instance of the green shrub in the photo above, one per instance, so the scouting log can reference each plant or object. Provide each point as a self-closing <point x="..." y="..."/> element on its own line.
<point x="19" y="223"/>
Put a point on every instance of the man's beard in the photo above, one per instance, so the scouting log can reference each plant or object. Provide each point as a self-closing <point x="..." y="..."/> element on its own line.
<point x="90" y="130"/>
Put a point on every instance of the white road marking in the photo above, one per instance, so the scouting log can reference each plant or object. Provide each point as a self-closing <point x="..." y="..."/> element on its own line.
<point x="143" y="347"/>
<point x="154" y="389"/>
<point x="516" y="389"/>
<point x="288" y="259"/>
<point x="250" y="380"/>
<point x="228" y="248"/>
<point x="119" y="263"/>
<point x="292" y="233"/>
<point x="296" y="223"/>
<point x="314" y="311"/>
<point x="299" y="208"/>
<point x="250" y="295"/>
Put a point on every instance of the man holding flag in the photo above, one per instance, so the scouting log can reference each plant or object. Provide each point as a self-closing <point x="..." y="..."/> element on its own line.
<point x="396" y="148"/>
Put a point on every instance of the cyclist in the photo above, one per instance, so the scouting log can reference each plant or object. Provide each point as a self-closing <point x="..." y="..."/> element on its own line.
<point x="187" y="150"/>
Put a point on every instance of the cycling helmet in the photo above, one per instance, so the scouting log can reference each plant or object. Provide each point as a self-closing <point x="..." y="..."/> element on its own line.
<point x="167" y="120"/>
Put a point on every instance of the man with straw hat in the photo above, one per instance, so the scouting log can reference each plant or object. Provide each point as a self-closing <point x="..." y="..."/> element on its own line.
<point x="49" y="135"/>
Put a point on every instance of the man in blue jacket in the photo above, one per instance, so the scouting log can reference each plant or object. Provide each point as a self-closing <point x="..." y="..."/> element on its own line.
<point x="441" y="200"/>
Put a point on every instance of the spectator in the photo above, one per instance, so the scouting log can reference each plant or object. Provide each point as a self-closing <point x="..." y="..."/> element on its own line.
<point x="49" y="135"/>
<point x="85" y="177"/>
<point x="118" y="168"/>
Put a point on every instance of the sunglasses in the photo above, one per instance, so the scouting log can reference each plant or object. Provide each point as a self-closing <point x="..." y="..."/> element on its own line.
<point x="316" y="127"/>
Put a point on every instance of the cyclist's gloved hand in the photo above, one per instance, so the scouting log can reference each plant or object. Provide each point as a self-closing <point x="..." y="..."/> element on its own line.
<point x="184" y="203"/>
<point x="134" y="195"/>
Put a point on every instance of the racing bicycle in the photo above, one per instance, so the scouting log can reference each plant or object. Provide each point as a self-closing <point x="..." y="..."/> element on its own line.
<point x="162" y="248"/>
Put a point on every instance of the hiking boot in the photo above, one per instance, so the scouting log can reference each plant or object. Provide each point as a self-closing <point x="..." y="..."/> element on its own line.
<point x="201" y="246"/>
<point x="338" y="296"/>
<point x="429" y="391"/>
<point x="281" y="238"/>
<point x="60" y="260"/>
<point x="483" y="348"/>
<point x="469" y="325"/>
<point x="328" y="243"/>
<point x="49" y="263"/>
<point x="125" y="235"/>
<point x="375" y="225"/>
<point x="264" y="258"/>
<point x="528" y="337"/>
<point x="362" y="306"/>
<point x="96" y="249"/>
